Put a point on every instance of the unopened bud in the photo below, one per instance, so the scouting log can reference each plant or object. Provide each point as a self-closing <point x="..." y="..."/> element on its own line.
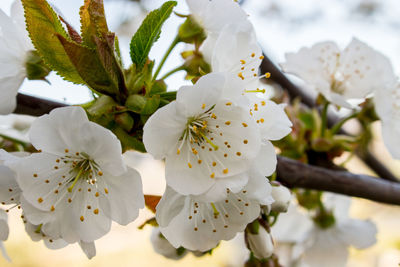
<point x="261" y="244"/>
<point x="282" y="197"/>
<point x="163" y="247"/>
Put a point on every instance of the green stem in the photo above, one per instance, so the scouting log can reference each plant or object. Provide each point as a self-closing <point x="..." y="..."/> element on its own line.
<point x="170" y="96"/>
<point x="324" y="116"/>
<point x="339" y="124"/>
<point x="172" y="72"/>
<point x="24" y="144"/>
<point x="170" y="48"/>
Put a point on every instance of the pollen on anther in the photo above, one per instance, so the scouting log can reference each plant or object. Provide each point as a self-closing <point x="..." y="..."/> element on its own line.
<point x="190" y="165"/>
<point x="40" y="200"/>
<point x="240" y="75"/>
<point x="35" y="175"/>
<point x="267" y="75"/>
<point x="214" y="231"/>
<point x="97" y="194"/>
<point x="56" y="191"/>
<point x="241" y="213"/>
<point x="203" y="106"/>
<point x="52" y="208"/>
<point x="195" y="228"/>
<point x="244" y="124"/>
<point x="89" y="190"/>
<point x="228" y="103"/>
<point x="263" y="103"/>
<point x="225" y="226"/>
<point x="82" y="218"/>
<point x="199" y="161"/>
<point x="69" y="200"/>
<point x="262" y="120"/>
<point x="106" y="190"/>
<point x="238" y="154"/>
<point x="245" y="141"/>
<point x="66" y="150"/>
<point x="212" y="175"/>
<point x="89" y="207"/>
<point x="253" y="54"/>
<point x="178" y="151"/>
<point x="227" y="122"/>
<point x="100" y="173"/>
<point x="242" y="61"/>
<point x="261" y="57"/>
<point x="56" y="167"/>
<point x="58" y="160"/>
<point x="214" y="163"/>
<point x="96" y="211"/>
<point x="77" y="153"/>
<point x="225" y="171"/>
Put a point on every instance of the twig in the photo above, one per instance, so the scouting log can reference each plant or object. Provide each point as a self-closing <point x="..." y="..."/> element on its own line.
<point x="278" y="77"/>
<point x="293" y="173"/>
<point x="34" y="106"/>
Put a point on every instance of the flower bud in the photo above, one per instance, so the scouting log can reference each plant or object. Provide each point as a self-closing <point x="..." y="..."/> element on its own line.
<point x="282" y="197"/>
<point x="261" y="244"/>
<point x="163" y="247"/>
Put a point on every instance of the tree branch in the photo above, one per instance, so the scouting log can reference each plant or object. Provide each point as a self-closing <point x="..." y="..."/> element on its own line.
<point x="34" y="106"/>
<point x="278" y="77"/>
<point x="293" y="173"/>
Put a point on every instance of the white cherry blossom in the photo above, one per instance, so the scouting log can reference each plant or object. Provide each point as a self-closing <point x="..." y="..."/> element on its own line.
<point x="78" y="183"/>
<point x="344" y="77"/>
<point x="206" y="136"/>
<point x="282" y="196"/>
<point x="197" y="224"/>
<point x="314" y="245"/>
<point x="14" y="48"/>
<point x="387" y="106"/>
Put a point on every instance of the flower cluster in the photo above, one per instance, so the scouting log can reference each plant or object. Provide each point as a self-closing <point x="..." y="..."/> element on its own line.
<point x="216" y="137"/>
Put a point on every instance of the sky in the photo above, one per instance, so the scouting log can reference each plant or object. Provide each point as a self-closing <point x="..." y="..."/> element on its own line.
<point x="282" y="26"/>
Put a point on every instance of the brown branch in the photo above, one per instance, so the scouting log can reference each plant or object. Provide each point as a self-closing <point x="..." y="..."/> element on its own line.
<point x="278" y="77"/>
<point x="34" y="106"/>
<point x="293" y="173"/>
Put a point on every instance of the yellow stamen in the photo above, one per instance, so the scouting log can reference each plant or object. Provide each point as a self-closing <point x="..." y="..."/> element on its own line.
<point x="75" y="181"/>
<point x="216" y="212"/>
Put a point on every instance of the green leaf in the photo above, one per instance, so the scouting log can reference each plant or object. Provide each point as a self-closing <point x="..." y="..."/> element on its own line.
<point x="93" y="21"/>
<point x="149" y="32"/>
<point x="90" y="67"/>
<point x="43" y="26"/>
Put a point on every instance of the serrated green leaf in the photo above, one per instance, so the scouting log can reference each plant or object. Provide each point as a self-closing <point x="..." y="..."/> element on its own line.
<point x="90" y="67"/>
<point x="93" y="21"/>
<point x="149" y="32"/>
<point x="43" y="26"/>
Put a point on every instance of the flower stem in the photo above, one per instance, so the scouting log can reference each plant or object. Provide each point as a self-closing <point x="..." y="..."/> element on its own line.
<point x="339" y="124"/>
<point x="172" y="72"/>
<point x="170" y="48"/>
<point x="324" y="116"/>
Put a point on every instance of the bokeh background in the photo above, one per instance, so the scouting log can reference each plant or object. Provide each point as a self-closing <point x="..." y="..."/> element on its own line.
<point x="282" y="26"/>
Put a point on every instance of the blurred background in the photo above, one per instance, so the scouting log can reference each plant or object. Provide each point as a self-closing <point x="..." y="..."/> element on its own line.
<point x="282" y="26"/>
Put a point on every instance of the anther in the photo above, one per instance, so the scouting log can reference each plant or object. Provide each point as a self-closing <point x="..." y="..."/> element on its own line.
<point x="225" y="171"/>
<point x="96" y="211"/>
<point x="40" y="200"/>
<point x="190" y="165"/>
<point x="212" y="175"/>
<point x="82" y="218"/>
<point x="244" y="124"/>
<point x="52" y="208"/>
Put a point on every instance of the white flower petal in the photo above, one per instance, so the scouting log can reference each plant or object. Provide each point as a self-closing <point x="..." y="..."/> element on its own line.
<point x="169" y="207"/>
<point x="4" y="229"/>
<point x="8" y="91"/>
<point x="327" y="248"/>
<point x="88" y="248"/>
<point x="272" y="120"/>
<point x="163" y="247"/>
<point x="125" y="196"/>
<point x="36" y="235"/>
<point x="261" y="244"/>
<point x="9" y="189"/>
<point x="266" y="161"/>
<point x="4" y="252"/>
<point x="163" y="130"/>
<point x="193" y="100"/>
<point x="358" y="233"/>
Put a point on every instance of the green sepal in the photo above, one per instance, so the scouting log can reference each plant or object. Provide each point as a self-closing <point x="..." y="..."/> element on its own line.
<point x="191" y="32"/>
<point x="148" y="33"/>
<point x="44" y="27"/>
<point x="102" y="105"/>
<point x="128" y="141"/>
<point x="35" y="67"/>
<point x="143" y="105"/>
<point x="124" y="120"/>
